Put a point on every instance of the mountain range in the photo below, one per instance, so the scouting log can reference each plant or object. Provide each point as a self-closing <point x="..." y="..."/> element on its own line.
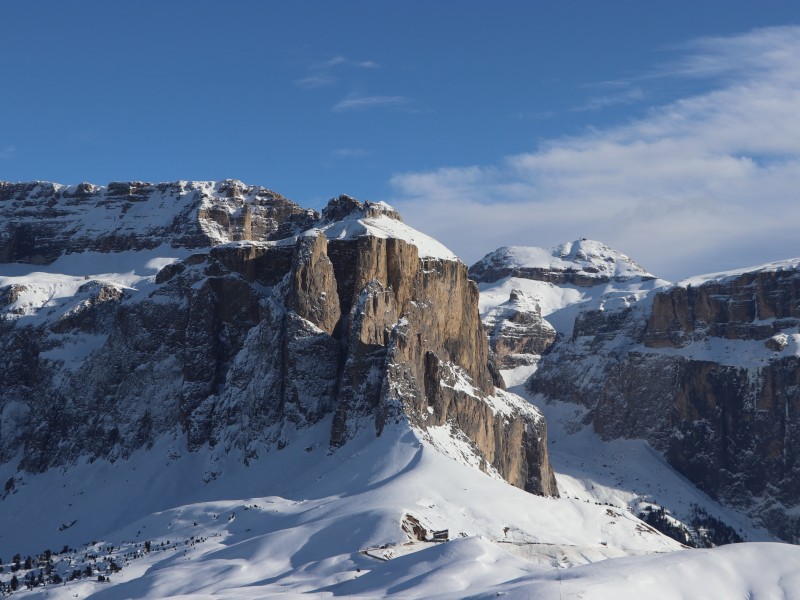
<point x="209" y="391"/>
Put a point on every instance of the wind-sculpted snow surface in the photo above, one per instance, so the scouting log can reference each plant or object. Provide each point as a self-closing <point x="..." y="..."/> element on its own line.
<point x="303" y="522"/>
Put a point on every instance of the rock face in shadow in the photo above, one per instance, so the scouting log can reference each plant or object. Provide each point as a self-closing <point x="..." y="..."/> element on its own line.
<point x="518" y="335"/>
<point x="709" y="374"/>
<point x="41" y="221"/>
<point x="269" y="328"/>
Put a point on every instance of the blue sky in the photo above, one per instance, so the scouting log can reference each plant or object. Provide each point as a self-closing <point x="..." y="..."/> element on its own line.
<point x="669" y="130"/>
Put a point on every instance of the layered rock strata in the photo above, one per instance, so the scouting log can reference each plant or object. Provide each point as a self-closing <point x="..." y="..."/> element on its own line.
<point x="518" y="335"/>
<point x="709" y="374"/>
<point x="281" y="320"/>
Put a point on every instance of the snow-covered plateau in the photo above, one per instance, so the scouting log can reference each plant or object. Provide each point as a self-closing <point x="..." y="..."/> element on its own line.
<point x="207" y="391"/>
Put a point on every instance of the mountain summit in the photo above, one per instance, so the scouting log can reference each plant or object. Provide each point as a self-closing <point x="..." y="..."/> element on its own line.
<point x="236" y="320"/>
<point x="581" y="262"/>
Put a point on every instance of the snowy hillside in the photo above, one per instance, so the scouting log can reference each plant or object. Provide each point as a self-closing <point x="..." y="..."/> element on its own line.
<point x="564" y="280"/>
<point x="299" y="522"/>
<point x="703" y="370"/>
<point x="586" y="258"/>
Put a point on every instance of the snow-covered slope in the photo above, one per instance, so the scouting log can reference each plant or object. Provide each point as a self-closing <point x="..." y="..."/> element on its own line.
<point x="376" y="222"/>
<point x="299" y="522"/>
<point x="704" y="370"/>
<point x="564" y="280"/>
<point x="580" y="260"/>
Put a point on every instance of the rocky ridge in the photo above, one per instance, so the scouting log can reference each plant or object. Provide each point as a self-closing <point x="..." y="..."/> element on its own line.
<point x="275" y="319"/>
<point x="707" y="371"/>
<point x="583" y="263"/>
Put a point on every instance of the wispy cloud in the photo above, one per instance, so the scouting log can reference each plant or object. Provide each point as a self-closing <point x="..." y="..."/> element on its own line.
<point x="355" y="101"/>
<point x="627" y="96"/>
<point x="344" y="61"/>
<point x="7" y="152"/>
<point x="315" y="81"/>
<point x="705" y="182"/>
<point x="321" y="74"/>
<point x="349" y="153"/>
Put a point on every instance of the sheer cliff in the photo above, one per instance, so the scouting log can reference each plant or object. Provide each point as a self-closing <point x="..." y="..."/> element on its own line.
<point x="229" y="317"/>
<point x="707" y="370"/>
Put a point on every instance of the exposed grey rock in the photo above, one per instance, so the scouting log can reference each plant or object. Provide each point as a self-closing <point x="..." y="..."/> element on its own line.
<point x="707" y="376"/>
<point x="41" y="221"/>
<point x="517" y="333"/>
<point x="268" y="328"/>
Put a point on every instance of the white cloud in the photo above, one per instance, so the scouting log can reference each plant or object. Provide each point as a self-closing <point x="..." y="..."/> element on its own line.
<point x="344" y="61"/>
<point x="359" y="102"/>
<point x="331" y="62"/>
<point x="315" y="81"/>
<point x="707" y="182"/>
<point x="349" y="153"/>
<point x="627" y="96"/>
<point x="7" y="152"/>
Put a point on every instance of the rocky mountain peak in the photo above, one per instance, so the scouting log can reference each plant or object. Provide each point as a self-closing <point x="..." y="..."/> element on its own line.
<point x="346" y="207"/>
<point x="581" y="262"/>
<point x="262" y="321"/>
<point x="40" y="221"/>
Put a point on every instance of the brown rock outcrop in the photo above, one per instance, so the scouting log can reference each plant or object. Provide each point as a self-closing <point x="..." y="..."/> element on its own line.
<point x="710" y="376"/>
<point x="517" y="333"/>
<point x="244" y="343"/>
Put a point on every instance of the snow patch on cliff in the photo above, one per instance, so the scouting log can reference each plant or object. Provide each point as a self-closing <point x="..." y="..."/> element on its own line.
<point x="384" y="226"/>
<point x="792" y="264"/>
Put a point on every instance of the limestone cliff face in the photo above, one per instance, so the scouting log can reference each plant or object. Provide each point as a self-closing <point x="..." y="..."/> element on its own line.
<point x="517" y="333"/>
<point x="709" y="374"/>
<point x="751" y="306"/>
<point x="41" y="221"/>
<point x="260" y="333"/>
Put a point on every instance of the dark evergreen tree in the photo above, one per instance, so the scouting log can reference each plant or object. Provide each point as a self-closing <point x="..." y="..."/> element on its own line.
<point x="657" y="518"/>
<point x="710" y="531"/>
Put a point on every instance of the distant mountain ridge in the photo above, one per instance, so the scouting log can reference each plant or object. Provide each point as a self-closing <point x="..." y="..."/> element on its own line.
<point x="581" y="262"/>
<point x="707" y="371"/>
<point x="40" y="221"/>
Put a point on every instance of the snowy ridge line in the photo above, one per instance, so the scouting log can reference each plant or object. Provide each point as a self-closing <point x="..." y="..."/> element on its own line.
<point x="587" y="257"/>
<point x="791" y="264"/>
<point x="309" y="535"/>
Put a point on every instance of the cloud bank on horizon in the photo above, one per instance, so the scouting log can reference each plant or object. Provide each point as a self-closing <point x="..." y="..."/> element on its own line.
<point x="706" y="182"/>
